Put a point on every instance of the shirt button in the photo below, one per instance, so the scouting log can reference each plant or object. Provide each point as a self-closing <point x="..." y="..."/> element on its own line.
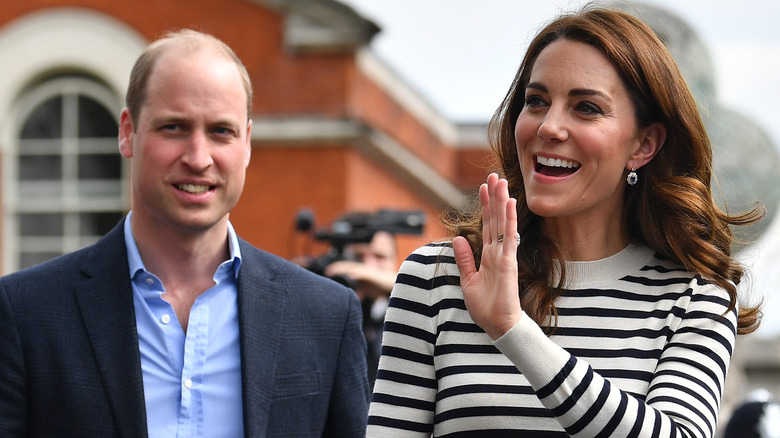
<point x="150" y="281"/>
<point x="188" y="383"/>
<point x="166" y="319"/>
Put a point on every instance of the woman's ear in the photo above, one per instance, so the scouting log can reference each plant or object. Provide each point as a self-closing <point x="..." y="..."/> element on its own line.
<point x="651" y="141"/>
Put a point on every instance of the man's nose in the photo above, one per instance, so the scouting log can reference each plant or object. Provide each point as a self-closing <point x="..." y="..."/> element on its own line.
<point x="197" y="153"/>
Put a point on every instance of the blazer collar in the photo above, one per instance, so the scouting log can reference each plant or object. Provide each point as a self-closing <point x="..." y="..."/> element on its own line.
<point x="261" y="301"/>
<point x="105" y="298"/>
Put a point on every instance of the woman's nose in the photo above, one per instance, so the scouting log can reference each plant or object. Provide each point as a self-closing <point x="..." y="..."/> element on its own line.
<point x="553" y="126"/>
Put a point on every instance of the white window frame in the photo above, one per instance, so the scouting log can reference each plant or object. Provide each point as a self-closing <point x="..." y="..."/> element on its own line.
<point x="67" y="195"/>
<point x="45" y="44"/>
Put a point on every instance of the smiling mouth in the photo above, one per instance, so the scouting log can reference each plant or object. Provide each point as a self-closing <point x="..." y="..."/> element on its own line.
<point x="195" y="189"/>
<point x="555" y="166"/>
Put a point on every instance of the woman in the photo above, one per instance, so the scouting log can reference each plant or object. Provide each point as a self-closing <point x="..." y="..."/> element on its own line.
<point x="605" y="228"/>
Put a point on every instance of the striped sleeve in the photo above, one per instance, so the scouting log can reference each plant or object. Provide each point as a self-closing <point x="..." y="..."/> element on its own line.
<point x="639" y="355"/>
<point x="685" y="391"/>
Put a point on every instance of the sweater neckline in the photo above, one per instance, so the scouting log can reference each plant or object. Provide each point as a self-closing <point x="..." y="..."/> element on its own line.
<point x="628" y="260"/>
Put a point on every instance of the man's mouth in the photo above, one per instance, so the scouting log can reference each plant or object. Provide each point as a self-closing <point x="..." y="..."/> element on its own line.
<point x="555" y="166"/>
<point x="195" y="189"/>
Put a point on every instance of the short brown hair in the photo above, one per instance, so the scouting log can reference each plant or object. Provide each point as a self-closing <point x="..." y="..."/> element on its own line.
<point x="189" y="40"/>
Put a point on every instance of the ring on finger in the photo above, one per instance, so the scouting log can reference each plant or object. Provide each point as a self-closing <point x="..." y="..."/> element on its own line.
<point x="500" y="238"/>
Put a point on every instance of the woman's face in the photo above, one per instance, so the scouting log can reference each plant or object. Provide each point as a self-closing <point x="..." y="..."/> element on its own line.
<point x="576" y="135"/>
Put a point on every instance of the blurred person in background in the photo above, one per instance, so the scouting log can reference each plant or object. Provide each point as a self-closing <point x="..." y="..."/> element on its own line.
<point x="757" y="417"/>
<point x="371" y="268"/>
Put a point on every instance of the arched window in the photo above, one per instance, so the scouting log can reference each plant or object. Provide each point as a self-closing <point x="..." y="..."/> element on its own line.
<point x="69" y="175"/>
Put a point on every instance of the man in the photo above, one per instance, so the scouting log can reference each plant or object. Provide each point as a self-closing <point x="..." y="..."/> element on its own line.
<point x="373" y="267"/>
<point x="171" y="325"/>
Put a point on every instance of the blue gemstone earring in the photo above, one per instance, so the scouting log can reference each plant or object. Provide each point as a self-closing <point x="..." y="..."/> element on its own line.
<point x="632" y="177"/>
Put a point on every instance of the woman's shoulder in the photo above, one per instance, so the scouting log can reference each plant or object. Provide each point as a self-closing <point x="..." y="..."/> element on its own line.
<point x="661" y="270"/>
<point x="431" y="260"/>
<point x="433" y="253"/>
<point x="430" y="269"/>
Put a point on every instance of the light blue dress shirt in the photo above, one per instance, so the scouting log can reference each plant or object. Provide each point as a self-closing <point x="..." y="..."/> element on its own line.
<point x="192" y="382"/>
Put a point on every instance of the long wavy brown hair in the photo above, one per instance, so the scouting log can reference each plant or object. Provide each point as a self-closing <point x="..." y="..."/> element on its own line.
<point x="671" y="209"/>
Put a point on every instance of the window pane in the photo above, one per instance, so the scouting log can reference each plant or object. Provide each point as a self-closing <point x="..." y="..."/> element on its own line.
<point x="35" y="192"/>
<point x="94" y="120"/>
<point x="103" y="145"/>
<point x="70" y="189"/>
<point x="98" y="224"/>
<point x="45" y="121"/>
<point x="101" y="188"/>
<point x="40" y="167"/>
<point x="100" y="166"/>
<point x="41" y="224"/>
<point x="48" y="146"/>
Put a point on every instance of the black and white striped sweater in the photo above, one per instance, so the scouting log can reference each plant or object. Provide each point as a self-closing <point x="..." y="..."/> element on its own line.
<point x="642" y="349"/>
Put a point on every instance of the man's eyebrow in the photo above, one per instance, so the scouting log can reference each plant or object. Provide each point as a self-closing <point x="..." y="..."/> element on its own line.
<point x="225" y="122"/>
<point x="168" y="118"/>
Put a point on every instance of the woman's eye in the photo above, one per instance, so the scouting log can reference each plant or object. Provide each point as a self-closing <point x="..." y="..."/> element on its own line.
<point x="588" y="108"/>
<point x="534" y="101"/>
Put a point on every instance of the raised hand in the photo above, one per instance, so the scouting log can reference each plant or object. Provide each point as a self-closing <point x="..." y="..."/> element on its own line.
<point x="491" y="293"/>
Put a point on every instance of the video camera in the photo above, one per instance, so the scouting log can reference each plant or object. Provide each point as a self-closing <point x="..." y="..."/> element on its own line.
<point x="356" y="227"/>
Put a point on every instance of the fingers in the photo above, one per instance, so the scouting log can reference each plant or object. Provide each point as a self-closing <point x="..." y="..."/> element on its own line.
<point x="464" y="258"/>
<point x="484" y="199"/>
<point x="499" y="217"/>
<point x="511" y="235"/>
<point x="501" y="197"/>
<point x="496" y="211"/>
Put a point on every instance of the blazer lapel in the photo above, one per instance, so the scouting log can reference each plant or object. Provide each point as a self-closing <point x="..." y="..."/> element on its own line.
<point x="260" y="309"/>
<point x="105" y="298"/>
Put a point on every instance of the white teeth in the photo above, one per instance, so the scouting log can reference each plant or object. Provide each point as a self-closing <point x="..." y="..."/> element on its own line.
<point x="556" y="162"/>
<point x="193" y="188"/>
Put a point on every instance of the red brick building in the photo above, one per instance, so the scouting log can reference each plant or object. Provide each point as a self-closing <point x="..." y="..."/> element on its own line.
<point x="334" y="130"/>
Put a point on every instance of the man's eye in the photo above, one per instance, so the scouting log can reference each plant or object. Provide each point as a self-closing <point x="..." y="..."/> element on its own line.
<point x="223" y="131"/>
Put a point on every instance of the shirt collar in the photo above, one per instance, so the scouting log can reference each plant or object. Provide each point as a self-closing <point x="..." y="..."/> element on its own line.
<point x="134" y="257"/>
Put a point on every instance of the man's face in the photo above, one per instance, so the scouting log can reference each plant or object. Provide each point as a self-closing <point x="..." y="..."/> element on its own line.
<point x="379" y="253"/>
<point x="190" y="145"/>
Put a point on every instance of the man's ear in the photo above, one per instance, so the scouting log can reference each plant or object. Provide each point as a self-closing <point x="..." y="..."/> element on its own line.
<point x="248" y="142"/>
<point x="126" y="134"/>
<point x="651" y="141"/>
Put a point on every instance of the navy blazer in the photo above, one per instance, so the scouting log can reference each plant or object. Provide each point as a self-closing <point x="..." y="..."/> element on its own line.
<point x="70" y="364"/>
